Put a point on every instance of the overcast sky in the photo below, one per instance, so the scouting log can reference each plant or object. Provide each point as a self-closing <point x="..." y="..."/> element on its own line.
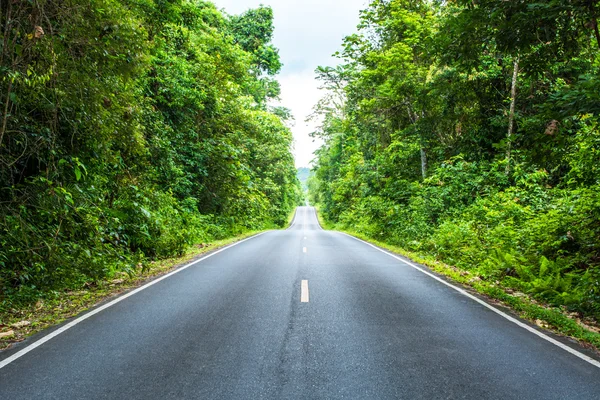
<point x="307" y="33"/>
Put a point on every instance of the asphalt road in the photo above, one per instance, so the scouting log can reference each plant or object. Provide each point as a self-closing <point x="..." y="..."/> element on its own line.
<point x="239" y="325"/>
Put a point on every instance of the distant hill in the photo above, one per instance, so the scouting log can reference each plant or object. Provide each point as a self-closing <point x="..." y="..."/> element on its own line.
<point x="303" y="174"/>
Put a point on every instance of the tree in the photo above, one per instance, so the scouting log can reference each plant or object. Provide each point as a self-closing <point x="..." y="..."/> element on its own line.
<point x="468" y="131"/>
<point x="129" y="131"/>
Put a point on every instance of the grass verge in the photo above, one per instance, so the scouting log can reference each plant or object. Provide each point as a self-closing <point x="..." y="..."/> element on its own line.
<point x="290" y="218"/>
<point x="19" y="323"/>
<point x="556" y="320"/>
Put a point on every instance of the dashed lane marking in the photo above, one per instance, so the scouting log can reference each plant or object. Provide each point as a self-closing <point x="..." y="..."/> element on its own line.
<point x="304" y="291"/>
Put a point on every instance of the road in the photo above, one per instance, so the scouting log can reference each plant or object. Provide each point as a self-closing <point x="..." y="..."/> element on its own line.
<point x="300" y="313"/>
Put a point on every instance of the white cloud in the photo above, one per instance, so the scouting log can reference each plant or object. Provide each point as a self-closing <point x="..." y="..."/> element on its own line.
<point x="307" y="33"/>
<point x="298" y="93"/>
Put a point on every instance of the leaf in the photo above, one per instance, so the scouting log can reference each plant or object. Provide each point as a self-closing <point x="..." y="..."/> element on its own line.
<point x="77" y="173"/>
<point x="145" y="212"/>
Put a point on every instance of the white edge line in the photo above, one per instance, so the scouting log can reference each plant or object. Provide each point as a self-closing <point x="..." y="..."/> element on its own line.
<point x="319" y="223"/>
<point x="82" y="318"/>
<point x="555" y="342"/>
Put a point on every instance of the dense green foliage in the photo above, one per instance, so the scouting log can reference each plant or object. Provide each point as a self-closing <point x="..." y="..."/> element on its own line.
<point x="130" y="130"/>
<point x="469" y="131"/>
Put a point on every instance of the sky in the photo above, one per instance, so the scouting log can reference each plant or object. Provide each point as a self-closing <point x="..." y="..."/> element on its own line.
<point x="307" y="33"/>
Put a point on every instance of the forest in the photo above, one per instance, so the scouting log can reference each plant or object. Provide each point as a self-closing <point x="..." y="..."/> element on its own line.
<point x="467" y="131"/>
<point x="131" y="130"/>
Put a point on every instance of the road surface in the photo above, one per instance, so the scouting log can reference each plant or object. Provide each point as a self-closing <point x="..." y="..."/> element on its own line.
<point x="301" y="313"/>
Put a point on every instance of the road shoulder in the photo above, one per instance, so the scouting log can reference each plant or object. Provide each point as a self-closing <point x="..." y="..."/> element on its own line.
<point x="28" y="324"/>
<point x="552" y="321"/>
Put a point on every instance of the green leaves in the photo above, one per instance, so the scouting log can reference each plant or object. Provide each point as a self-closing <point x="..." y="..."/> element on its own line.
<point x="252" y="31"/>
<point x="134" y="130"/>
<point x="416" y="136"/>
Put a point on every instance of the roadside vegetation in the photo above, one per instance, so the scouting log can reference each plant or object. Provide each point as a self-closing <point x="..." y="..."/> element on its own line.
<point x="131" y="131"/>
<point x="28" y="318"/>
<point x="465" y="134"/>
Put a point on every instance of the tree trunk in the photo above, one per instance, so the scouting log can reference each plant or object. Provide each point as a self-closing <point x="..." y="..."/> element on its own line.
<point x="511" y="113"/>
<point x="423" y="163"/>
<point x="596" y="32"/>
<point x="414" y="117"/>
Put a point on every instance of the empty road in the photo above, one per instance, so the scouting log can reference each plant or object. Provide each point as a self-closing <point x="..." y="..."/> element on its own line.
<point x="300" y="313"/>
